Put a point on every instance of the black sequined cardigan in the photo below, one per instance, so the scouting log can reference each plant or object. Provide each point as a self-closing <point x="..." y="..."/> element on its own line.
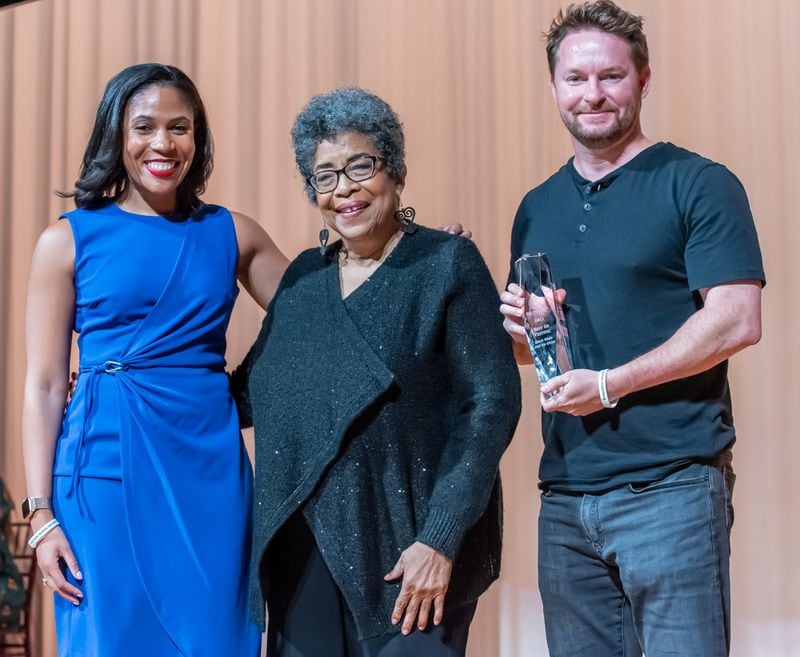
<point x="383" y="417"/>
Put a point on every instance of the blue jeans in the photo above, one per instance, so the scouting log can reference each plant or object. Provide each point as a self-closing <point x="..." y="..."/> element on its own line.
<point x="639" y="568"/>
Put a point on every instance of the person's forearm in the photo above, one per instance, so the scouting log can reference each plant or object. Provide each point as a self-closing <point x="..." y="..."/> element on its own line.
<point x="43" y="411"/>
<point x="704" y="340"/>
<point x="522" y="353"/>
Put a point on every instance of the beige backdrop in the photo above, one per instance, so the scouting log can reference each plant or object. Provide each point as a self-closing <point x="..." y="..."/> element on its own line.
<point x="469" y="80"/>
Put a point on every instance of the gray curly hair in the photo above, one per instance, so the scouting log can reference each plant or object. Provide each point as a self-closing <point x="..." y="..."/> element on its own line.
<point x="348" y="109"/>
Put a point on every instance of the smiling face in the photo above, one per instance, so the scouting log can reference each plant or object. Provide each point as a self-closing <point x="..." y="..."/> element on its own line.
<point x="361" y="212"/>
<point x="598" y="90"/>
<point x="158" y="149"/>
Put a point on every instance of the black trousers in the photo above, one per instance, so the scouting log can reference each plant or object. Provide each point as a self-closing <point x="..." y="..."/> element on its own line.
<point x="310" y="618"/>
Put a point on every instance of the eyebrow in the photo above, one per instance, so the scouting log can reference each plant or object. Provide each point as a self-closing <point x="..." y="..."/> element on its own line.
<point x="607" y="69"/>
<point x="149" y="117"/>
<point x="329" y="165"/>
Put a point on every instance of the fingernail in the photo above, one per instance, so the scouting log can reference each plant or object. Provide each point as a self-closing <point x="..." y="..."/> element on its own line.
<point x="79" y="595"/>
<point x="79" y="575"/>
<point x="75" y="602"/>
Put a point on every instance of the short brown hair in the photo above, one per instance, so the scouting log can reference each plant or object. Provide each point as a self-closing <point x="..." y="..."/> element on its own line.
<point x="601" y="15"/>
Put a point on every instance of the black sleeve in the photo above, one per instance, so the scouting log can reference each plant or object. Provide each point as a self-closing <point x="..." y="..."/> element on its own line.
<point x="485" y="379"/>
<point x="721" y="241"/>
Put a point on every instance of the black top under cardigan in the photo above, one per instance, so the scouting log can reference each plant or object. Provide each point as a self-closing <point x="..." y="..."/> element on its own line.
<point x="383" y="416"/>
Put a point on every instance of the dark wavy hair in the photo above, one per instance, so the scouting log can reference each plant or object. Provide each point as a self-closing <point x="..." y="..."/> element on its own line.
<point x="348" y="109"/>
<point x="602" y="15"/>
<point x="103" y="177"/>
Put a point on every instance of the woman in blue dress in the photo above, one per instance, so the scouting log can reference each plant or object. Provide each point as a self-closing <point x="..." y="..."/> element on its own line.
<point x="140" y="492"/>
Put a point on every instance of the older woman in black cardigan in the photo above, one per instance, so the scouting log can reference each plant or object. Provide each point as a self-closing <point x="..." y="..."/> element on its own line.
<point x="383" y="391"/>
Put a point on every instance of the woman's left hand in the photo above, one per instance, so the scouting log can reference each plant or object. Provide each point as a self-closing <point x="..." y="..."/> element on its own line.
<point x="426" y="576"/>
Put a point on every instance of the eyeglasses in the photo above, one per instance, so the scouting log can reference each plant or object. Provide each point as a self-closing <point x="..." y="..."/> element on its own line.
<point x="358" y="170"/>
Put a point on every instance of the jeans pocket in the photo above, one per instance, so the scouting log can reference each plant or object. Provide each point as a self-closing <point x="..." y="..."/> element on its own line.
<point x="729" y="477"/>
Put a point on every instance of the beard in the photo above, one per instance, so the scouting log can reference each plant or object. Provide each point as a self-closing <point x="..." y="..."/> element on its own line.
<point x="599" y="139"/>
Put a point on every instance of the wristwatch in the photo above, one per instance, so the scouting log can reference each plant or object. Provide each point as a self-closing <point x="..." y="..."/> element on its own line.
<point x="31" y="505"/>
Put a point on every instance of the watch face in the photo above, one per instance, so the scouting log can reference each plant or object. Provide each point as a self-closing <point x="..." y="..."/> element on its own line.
<point x="32" y="504"/>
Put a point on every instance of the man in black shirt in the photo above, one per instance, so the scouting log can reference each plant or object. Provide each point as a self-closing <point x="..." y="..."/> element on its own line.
<point x="658" y="258"/>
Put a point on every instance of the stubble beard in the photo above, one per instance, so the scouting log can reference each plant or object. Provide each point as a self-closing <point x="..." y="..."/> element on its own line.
<point x="600" y="140"/>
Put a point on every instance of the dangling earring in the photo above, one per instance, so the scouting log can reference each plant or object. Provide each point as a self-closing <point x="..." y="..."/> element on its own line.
<point x="323" y="241"/>
<point x="405" y="217"/>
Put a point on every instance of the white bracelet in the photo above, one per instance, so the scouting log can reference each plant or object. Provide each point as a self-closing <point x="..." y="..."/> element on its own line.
<point x="44" y="530"/>
<point x="601" y="387"/>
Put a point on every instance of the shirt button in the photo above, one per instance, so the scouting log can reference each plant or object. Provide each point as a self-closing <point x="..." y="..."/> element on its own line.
<point x="587" y="206"/>
<point x="588" y="189"/>
<point x="582" y="228"/>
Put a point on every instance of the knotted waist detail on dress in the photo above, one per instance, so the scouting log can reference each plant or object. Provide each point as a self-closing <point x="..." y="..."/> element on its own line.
<point x="108" y="367"/>
<point x="114" y="368"/>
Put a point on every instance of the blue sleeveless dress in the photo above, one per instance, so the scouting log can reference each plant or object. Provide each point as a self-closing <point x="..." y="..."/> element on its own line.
<point x="152" y="484"/>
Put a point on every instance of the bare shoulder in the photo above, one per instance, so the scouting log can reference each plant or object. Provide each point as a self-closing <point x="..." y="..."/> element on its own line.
<point x="55" y="247"/>
<point x="246" y="224"/>
<point x="254" y="240"/>
<point x="249" y="233"/>
<point x="57" y="235"/>
<point x="242" y="220"/>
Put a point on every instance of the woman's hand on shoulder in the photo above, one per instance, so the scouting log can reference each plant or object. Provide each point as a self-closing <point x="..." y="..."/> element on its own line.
<point x="261" y="263"/>
<point x="426" y="577"/>
<point x="456" y="229"/>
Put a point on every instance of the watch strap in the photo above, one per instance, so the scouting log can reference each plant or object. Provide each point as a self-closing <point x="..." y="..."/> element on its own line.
<point x="31" y="505"/>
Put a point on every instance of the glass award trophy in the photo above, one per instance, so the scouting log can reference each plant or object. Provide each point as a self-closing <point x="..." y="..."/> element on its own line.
<point x="543" y="319"/>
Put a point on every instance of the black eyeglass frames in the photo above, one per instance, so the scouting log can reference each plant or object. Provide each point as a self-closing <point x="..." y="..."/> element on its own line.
<point x="358" y="170"/>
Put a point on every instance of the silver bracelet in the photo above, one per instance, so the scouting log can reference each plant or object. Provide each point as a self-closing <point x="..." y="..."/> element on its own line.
<point x="44" y="530"/>
<point x="601" y="387"/>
